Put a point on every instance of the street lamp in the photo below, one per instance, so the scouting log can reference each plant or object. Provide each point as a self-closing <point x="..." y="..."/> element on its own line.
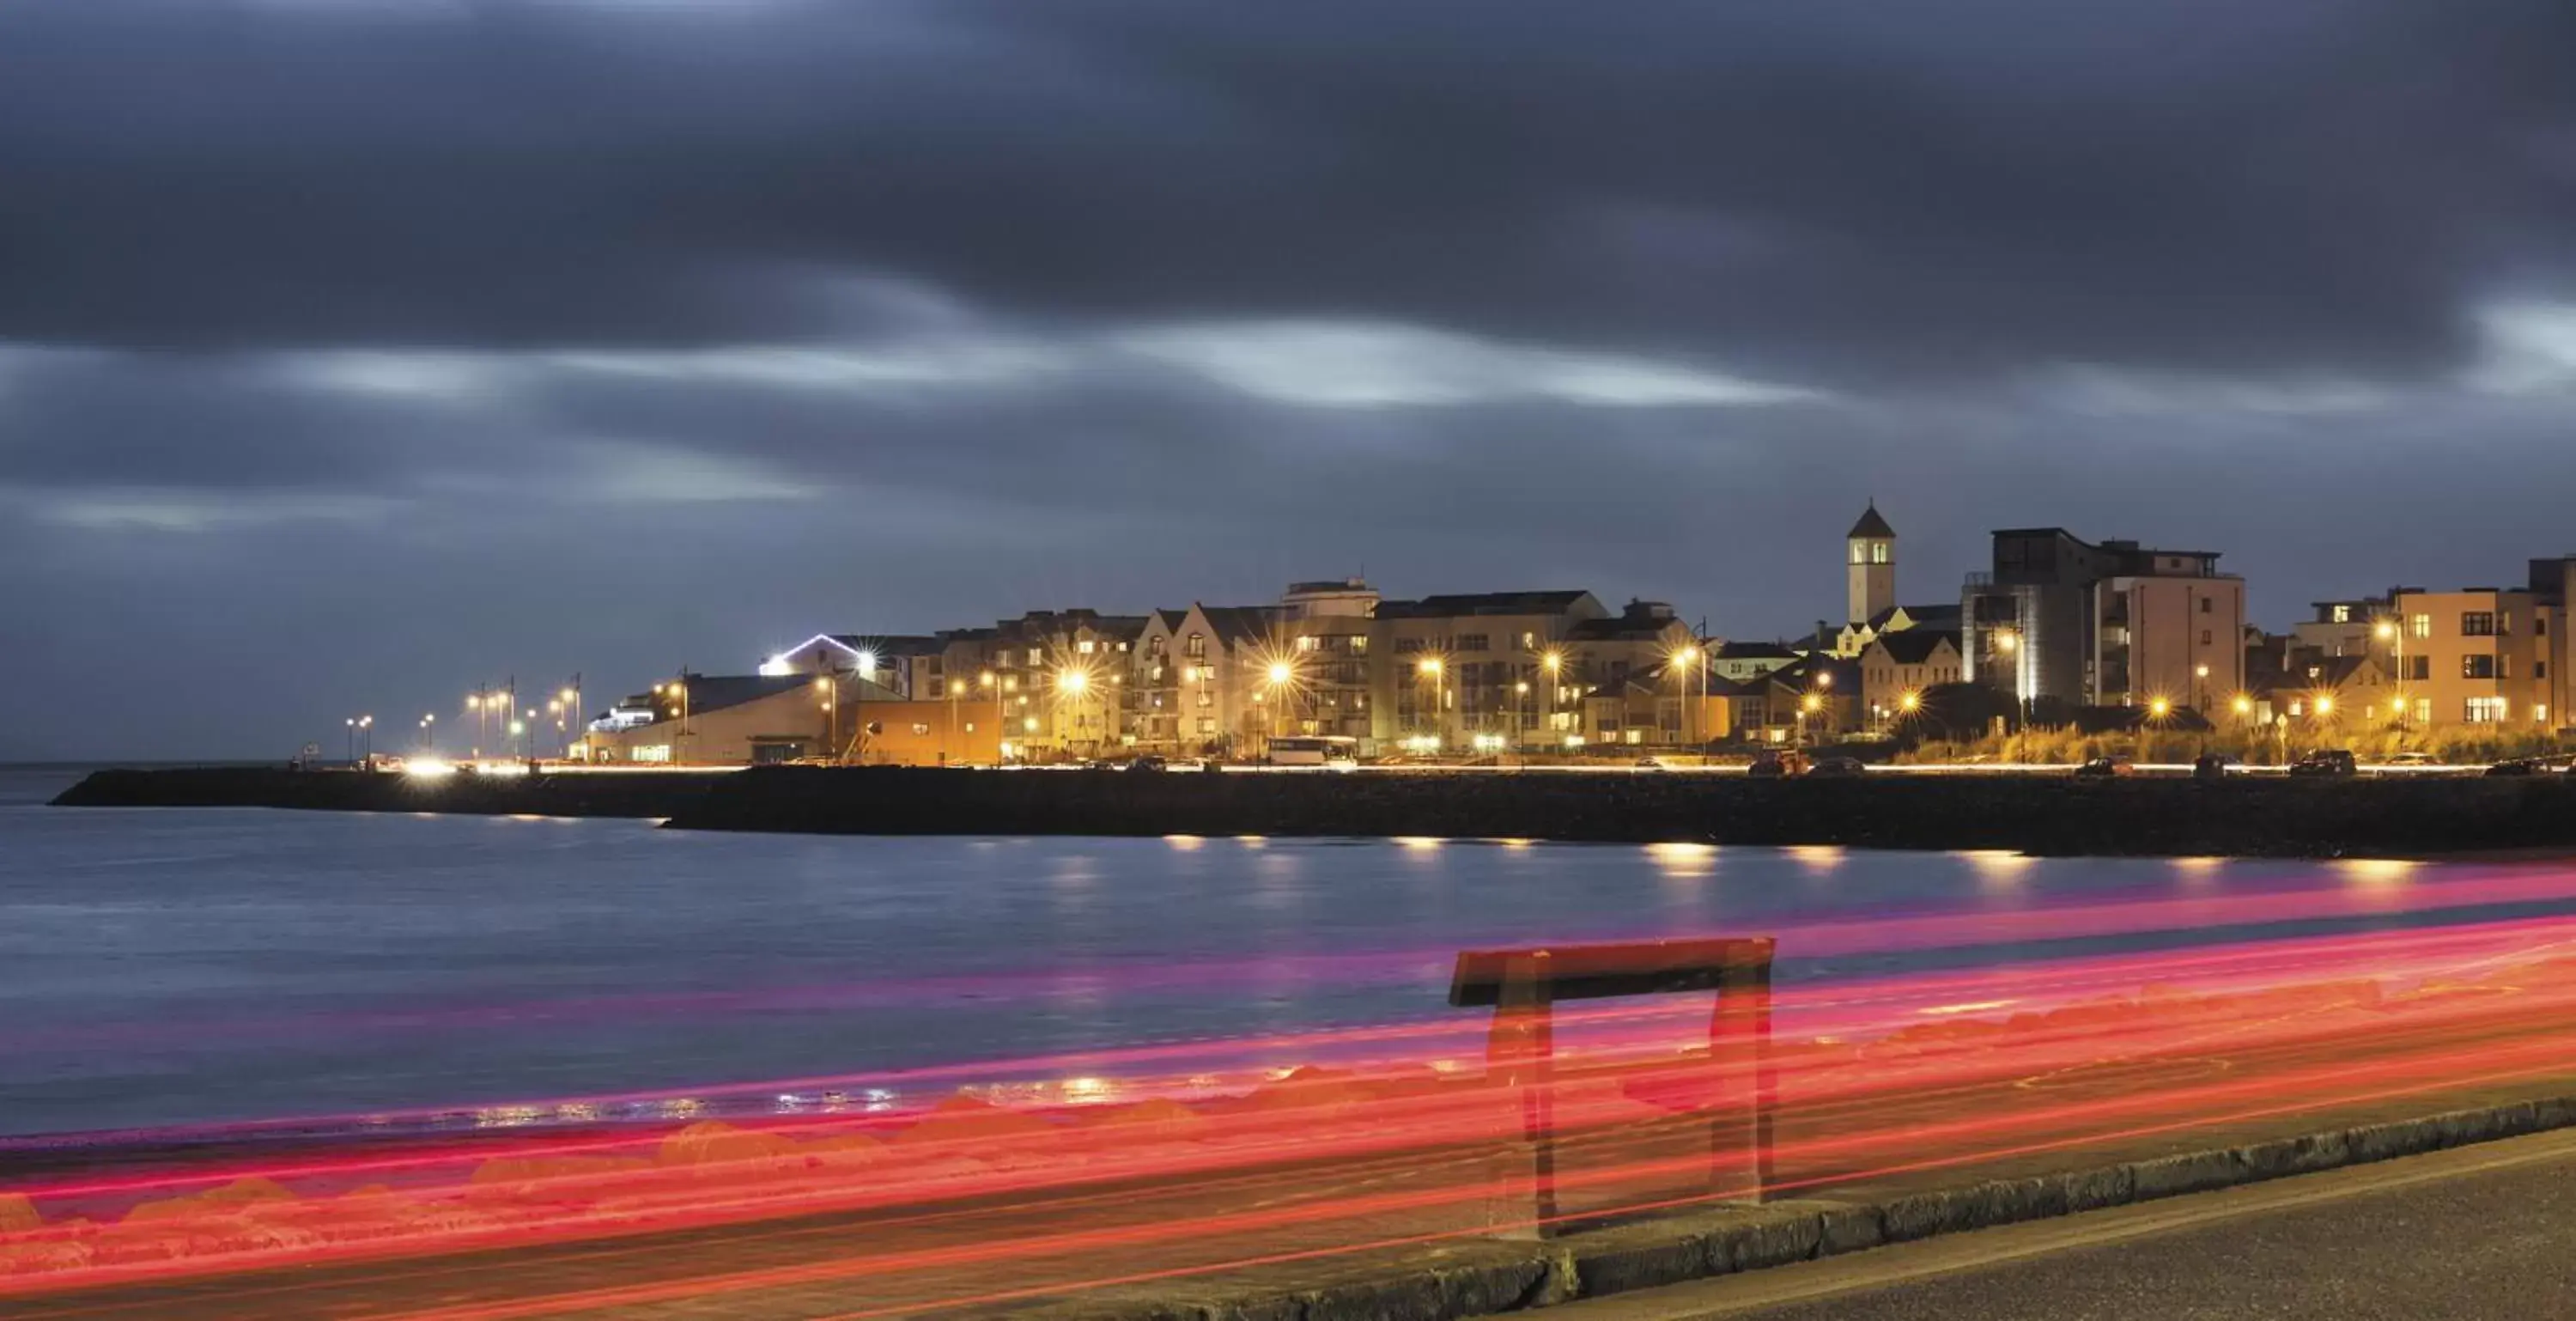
<point x="1430" y="667"/>
<point x="677" y="691"/>
<point x="1808" y="706"/>
<point x="1688" y="657"/>
<point x="1554" y="663"/>
<point x="428" y="736"/>
<point x="2393" y="633"/>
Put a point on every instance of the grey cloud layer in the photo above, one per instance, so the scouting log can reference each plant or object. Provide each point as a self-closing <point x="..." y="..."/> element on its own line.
<point x="2201" y="183"/>
<point x="423" y="340"/>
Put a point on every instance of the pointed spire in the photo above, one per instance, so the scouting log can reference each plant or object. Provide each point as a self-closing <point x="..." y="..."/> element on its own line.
<point x="1871" y="525"/>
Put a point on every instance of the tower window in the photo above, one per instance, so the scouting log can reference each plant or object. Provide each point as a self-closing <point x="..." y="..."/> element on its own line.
<point x="1878" y="552"/>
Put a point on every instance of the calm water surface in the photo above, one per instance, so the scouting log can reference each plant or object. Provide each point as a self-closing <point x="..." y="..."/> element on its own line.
<point x="181" y="966"/>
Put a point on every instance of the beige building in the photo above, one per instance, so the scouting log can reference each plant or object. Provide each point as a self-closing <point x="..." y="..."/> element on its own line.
<point x="1897" y="667"/>
<point x="750" y="720"/>
<point x="2478" y="656"/>
<point x="2064" y="620"/>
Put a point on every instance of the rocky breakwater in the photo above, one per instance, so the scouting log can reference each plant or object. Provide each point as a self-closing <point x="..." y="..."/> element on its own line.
<point x="567" y="794"/>
<point x="2038" y="814"/>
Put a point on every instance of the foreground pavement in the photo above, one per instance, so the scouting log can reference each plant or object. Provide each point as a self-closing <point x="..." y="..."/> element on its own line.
<point x="2482" y="1233"/>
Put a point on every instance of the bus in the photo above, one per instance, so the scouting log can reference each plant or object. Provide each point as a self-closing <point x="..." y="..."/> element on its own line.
<point x="1333" y="751"/>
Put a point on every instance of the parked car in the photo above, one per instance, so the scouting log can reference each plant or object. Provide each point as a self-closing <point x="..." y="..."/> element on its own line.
<point x="1777" y="763"/>
<point x="1837" y="768"/>
<point x="2212" y="766"/>
<point x="2106" y="767"/>
<point x="1645" y="764"/>
<point x="2331" y="762"/>
<point x="2520" y="766"/>
<point x="2412" y="759"/>
<point x="1149" y="762"/>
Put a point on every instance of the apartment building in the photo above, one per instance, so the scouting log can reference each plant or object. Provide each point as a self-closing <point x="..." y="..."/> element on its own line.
<point x="2116" y="624"/>
<point x="1896" y="667"/>
<point x="2477" y="656"/>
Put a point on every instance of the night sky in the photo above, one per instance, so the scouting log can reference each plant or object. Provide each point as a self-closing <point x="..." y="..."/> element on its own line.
<point x="355" y="352"/>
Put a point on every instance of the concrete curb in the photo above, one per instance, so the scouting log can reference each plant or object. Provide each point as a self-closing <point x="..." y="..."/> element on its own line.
<point x="1479" y="1277"/>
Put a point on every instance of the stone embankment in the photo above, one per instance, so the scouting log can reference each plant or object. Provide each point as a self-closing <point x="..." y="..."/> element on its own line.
<point x="2045" y="814"/>
<point x="2039" y="814"/>
<point x="626" y="795"/>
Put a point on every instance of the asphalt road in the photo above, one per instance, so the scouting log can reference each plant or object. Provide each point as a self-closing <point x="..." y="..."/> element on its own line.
<point x="2481" y="1233"/>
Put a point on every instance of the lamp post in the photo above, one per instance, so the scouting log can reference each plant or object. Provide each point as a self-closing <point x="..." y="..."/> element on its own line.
<point x="1430" y="667"/>
<point x="2393" y="631"/>
<point x="1687" y="656"/>
<point x="985" y="680"/>
<point x="1554" y="663"/>
<point x="1282" y="689"/>
<point x="428" y="736"/>
<point x="1077" y="683"/>
<point x="571" y="698"/>
<point x="677" y="692"/>
<point x="351" y="723"/>
<point x="1808" y="706"/>
<point x="2008" y="642"/>
<point x="828" y="684"/>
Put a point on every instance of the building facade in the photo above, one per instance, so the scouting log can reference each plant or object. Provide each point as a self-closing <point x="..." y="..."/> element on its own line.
<point x="2059" y="618"/>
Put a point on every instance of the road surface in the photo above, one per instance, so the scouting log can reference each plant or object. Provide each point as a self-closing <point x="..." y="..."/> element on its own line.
<point x="2480" y="1233"/>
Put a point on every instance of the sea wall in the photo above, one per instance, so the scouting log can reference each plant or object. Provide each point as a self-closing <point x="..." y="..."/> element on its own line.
<point x="2393" y="817"/>
<point x="631" y="795"/>
<point x="2039" y="814"/>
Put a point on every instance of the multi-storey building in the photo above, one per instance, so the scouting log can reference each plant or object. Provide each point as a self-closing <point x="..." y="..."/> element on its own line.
<point x="1448" y="668"/>
<point x="2118" y="624"/>
<point x="2477" y="656"/>
<point x="1898" y="666"/>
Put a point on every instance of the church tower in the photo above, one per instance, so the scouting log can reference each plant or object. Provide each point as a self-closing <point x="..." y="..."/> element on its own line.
<point x="1871" y="555"/>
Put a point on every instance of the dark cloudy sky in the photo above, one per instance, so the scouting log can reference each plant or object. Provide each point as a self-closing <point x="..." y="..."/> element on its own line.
<point x="356" y="351"/>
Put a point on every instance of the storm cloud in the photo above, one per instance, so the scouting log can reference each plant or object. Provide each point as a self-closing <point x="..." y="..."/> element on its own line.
<point x="369" y="350"/>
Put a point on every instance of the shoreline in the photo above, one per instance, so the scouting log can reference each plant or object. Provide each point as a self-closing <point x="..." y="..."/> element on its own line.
<point x="2451" y="819"/>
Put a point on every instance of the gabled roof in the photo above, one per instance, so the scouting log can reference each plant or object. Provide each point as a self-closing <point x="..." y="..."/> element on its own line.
<point x="1915" y="646"/>
<point x="1755" y="651"/>
<point x="1918" y="616"/>
<point x="1238" y="624"/>
<point x="1871" y="525"/>
<point x="1482" y="603"/>
<point x="1622" y="628"/>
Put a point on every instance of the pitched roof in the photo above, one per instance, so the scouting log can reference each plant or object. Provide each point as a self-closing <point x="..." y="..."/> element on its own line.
<point x="1871" y="524"/>
<point x="1754" y="651"/>
<point x="1918" y="615"/>
<point x="1482" y="603"/>
<point x="1914" y="646"/>
<point x="1622" y="628"/>
<point x="1236" y="624"/>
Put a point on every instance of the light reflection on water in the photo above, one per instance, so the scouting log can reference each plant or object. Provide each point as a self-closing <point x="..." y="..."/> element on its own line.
<point x="179" y="966"/>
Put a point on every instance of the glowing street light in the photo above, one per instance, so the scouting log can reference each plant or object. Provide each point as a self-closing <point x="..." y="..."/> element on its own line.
<point x="1431" y="667"/>
<point x="2159" y="708"/>
<point x="1909" y="701"/>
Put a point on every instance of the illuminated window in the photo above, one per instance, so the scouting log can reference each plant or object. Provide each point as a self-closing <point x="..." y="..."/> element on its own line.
<point x="970" y="726"/>
<point x="1878" y="552"/>
<point x="2540" y="713"/>
<point x="2420" y="625"/>
<point x="1359" y="646"/>
<point x="1859" y="549"/>
<point x="2342" y="614"/>
<point x="1207" y="724"/>
<point x="1036" y="656"/>
<point x="1084" y="646"/>
<point x="1198" y="644"/>
<point x="2477" y="623"/>
<point x="919" y="728"/>
<point x="1306" y="643"/>
<point x="2484" y="710"/>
